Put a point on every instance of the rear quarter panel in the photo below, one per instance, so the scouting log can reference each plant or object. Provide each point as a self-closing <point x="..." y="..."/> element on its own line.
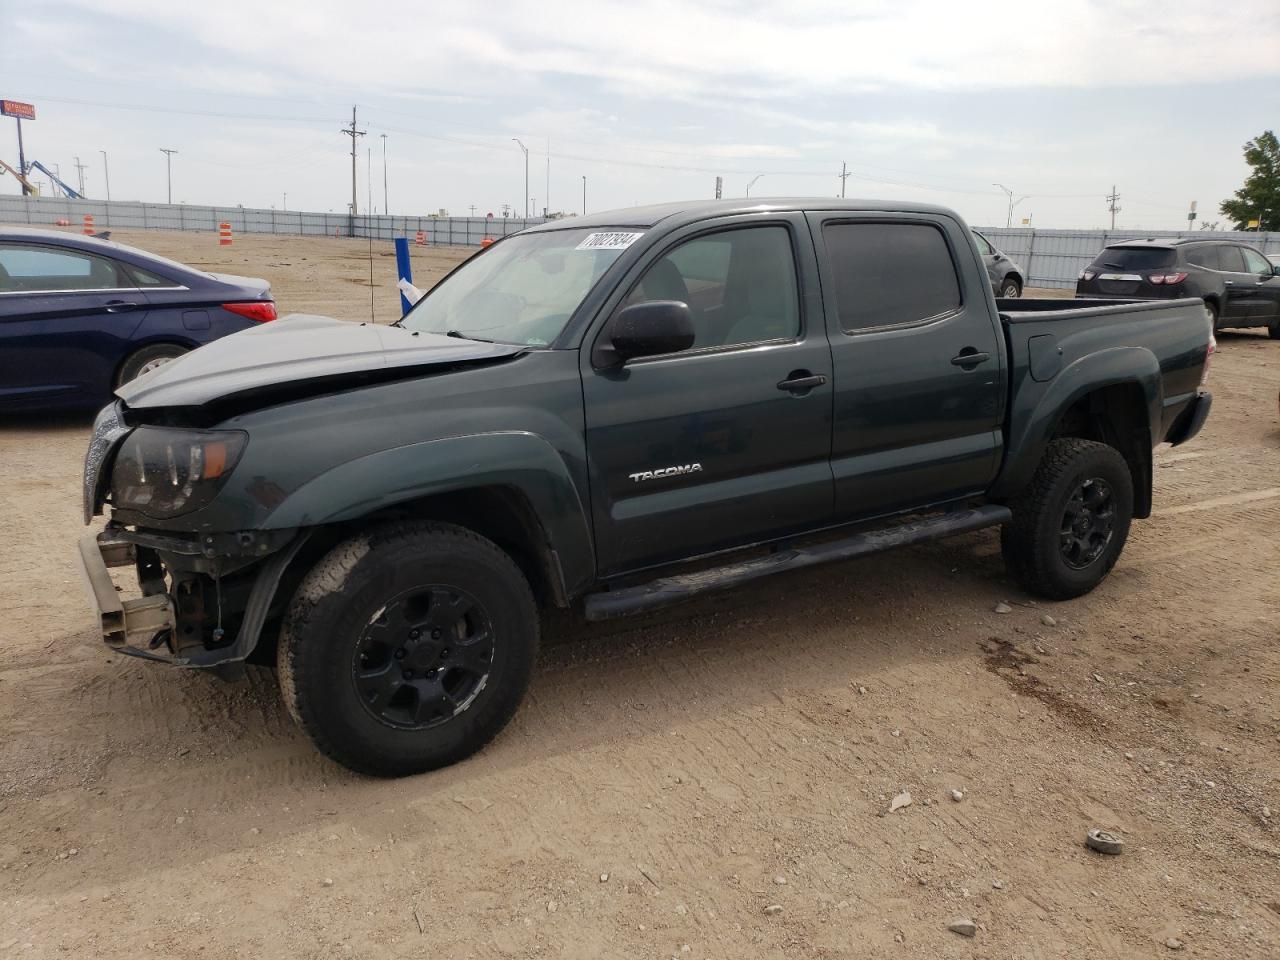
<point x="1160" y="347"/>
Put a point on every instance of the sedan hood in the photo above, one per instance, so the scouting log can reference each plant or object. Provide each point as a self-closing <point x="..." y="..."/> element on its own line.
<point x="296" y="349"/>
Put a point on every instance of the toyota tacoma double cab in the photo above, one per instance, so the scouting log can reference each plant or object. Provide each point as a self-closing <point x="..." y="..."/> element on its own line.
<point x="613" y="413"/>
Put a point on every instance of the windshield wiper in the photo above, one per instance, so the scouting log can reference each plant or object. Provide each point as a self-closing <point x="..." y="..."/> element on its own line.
<point x="463" y="336"/>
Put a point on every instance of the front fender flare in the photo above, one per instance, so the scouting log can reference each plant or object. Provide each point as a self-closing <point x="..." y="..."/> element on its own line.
<point x="522" y="461"/>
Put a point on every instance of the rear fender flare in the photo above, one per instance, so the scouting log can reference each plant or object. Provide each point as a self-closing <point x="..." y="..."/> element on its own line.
<point x="1034" y="428"/>
<point x="519" y="460"/>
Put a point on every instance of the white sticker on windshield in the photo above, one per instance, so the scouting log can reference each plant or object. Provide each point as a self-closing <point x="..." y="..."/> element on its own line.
<point x="608" y="241"/>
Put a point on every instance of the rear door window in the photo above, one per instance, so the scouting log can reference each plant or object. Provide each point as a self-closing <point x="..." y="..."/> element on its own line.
<point x="1231" y="257"/>
<point x="25" y="268"/>
<point x="887" y="274"/>
<point x="1131" y="259"/>
<point x="1206" y="256"/>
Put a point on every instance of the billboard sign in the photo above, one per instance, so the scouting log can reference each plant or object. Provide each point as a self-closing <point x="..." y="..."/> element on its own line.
<point x="14" y="108"/>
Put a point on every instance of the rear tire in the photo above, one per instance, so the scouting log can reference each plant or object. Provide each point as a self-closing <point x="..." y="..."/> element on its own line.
<point x="408" y="648"/>
<point x="1011" y="288"/>
<point x="1071" y="522"/>
<point x="1212" y="310"/>
<point x="146" y="359"/>
<point x="1273" y="331"/>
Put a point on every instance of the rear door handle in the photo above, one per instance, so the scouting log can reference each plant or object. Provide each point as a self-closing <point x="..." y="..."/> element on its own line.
<point x="802" y="381"/>
<point x="970" y="358"/>
<point x="120" y="306"/>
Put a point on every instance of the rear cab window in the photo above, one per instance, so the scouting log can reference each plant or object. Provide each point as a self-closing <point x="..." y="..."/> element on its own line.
<point x="890" y="274"/>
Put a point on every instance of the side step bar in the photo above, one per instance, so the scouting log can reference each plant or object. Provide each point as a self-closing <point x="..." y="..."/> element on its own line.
<point x="659" y="593"/>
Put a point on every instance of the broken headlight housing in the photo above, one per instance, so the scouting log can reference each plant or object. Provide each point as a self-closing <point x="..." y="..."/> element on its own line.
<point x="164" y="472"/>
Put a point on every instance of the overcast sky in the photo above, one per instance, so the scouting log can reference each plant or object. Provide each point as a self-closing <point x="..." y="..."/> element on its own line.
<point x="649" y="101"/>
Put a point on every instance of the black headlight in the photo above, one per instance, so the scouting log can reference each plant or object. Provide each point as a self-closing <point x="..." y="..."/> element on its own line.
<point x="164" y="472"/>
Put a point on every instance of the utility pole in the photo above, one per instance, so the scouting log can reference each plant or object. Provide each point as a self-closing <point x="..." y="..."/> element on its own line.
<point x="547" y="209"/>
<point x="472" y="208"/>
<point x="284" y="205"/>
<point x="584" y="194"/>
<point x="844" y="177"/>
<point x="1112" y="199"/>
<point x="80" y="167"/>
<point x="106" y="175"/>
<point x="353" y="133"/>
<point x="526" y="176"/>
<point x="168" y="163"/>
<point x="386" y="207"/>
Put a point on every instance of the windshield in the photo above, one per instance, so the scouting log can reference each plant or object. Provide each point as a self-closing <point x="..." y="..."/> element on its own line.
<point x="523" y="290"/>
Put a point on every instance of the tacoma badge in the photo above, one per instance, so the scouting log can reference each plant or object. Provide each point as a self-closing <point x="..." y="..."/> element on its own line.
<point x="665" y="472"/>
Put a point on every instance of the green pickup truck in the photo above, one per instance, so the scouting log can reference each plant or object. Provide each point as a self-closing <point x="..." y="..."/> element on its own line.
<point x="613" y="413"/>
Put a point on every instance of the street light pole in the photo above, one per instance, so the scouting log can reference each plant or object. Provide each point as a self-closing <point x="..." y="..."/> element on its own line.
<point x="753" y="182"/>
<point x="526" y="175"/>
<point x="584" y="194"/>
<point x="1008" y="220"/>
<point x="168" y="164"/>
<point x="106" y="176"/>
<point x="385" y="207"/>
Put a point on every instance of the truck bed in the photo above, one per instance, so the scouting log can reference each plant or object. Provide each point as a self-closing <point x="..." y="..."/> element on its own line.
<point x="1061" y="349"/>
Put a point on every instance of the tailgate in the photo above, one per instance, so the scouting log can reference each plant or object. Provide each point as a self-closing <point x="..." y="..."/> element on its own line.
<point x="1119" y="284"/>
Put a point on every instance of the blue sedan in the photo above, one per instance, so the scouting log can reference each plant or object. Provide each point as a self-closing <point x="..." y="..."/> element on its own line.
<point x="79" y="316"/>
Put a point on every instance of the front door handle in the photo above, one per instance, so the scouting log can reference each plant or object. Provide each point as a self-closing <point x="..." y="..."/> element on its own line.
<point x="970" y="357"/>
<point x="801" y="381"/>
<point x="120" y="306"/>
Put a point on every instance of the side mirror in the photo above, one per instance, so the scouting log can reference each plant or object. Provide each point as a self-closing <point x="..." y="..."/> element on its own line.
<point x="1275" y="270"/>
<point x="649" y="329"/>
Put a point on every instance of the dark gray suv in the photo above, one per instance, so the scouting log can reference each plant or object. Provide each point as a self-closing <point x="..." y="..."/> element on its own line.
<point x="1240" y="287"/>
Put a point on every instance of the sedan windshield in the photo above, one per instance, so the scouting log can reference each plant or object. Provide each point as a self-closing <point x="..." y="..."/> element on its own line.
<point x="521" y="291"/>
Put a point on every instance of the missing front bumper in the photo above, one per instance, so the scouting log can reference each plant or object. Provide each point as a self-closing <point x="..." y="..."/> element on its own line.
<point x="132" y="626"/>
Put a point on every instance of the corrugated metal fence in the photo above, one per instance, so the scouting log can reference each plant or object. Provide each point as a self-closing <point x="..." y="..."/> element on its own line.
<point x="1054" y="258"/>
<point x="1051" y="258"/>
<point x="125" y="215"/>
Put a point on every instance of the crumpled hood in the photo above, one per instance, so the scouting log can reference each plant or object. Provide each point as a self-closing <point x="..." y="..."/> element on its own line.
<point x="297" y="348"/>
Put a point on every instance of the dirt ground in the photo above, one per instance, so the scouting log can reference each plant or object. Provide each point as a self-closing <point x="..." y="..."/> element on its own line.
<point x="670" y="778"/>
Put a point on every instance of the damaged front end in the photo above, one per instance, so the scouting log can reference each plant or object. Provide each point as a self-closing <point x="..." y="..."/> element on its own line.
<point x="204" y="600"/>
<point x="204" y="597"/>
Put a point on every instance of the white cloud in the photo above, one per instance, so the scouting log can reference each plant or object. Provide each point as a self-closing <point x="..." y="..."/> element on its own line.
<point x="671" y="48"/>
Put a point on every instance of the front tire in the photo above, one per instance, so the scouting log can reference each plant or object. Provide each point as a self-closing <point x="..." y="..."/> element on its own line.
<point x="1011" y="288"/>
<point x="408" y="648"/>
<point x="1070" y="524"/>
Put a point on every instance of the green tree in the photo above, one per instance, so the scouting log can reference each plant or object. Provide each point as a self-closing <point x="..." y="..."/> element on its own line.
<point x="1259" y="198"/>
